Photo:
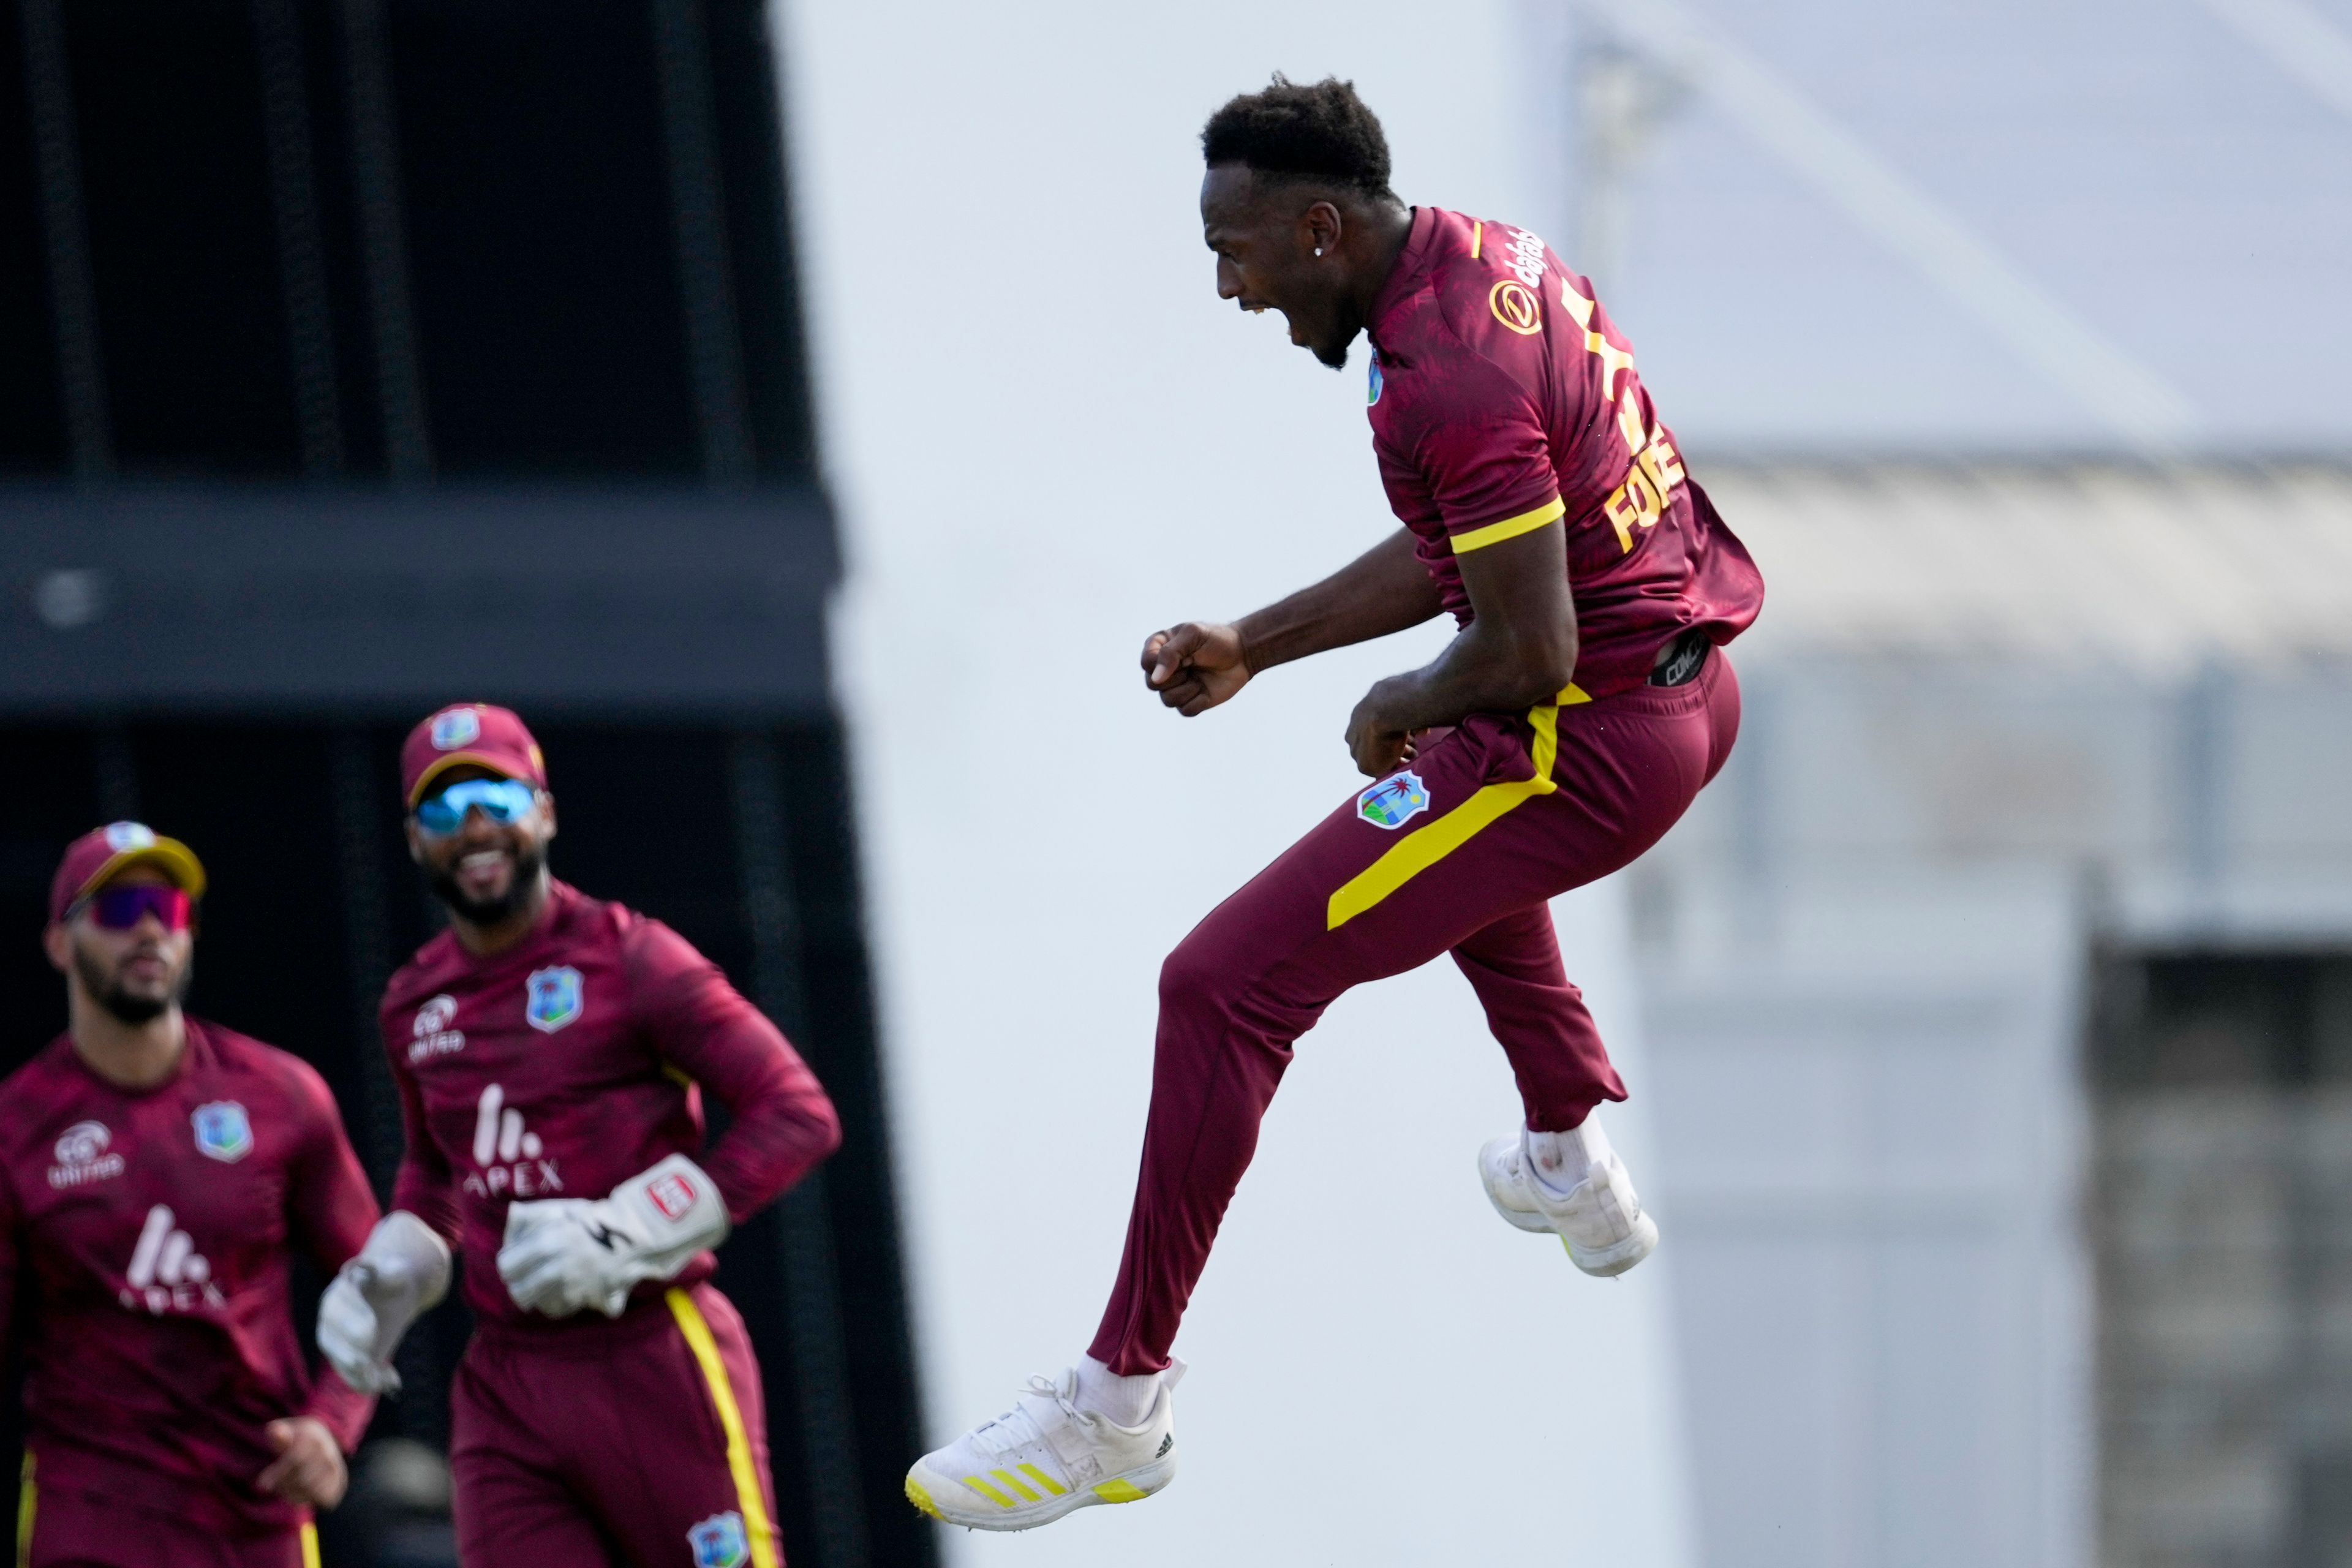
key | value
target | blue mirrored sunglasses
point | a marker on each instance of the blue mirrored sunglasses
(501, 800)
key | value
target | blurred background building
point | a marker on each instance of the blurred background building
(1996, 992)
(1989, 1022)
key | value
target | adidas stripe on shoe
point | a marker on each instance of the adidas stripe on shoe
(1045, 1458)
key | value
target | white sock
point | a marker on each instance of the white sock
(1126, 1400)
(1562, 1160)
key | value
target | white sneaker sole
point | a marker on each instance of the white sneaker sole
(950, 1502)
(1610, 1261)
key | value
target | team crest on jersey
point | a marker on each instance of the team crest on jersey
(552, 999)
(1373, 387)
(454, 727)
(719, 1542)
(223, 1131)
(1394, 801)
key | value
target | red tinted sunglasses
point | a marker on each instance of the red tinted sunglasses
(120, 909)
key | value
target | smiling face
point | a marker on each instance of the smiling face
(486, 870)
(135, 975)
(1266, 234)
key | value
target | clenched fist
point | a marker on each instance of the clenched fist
(1194, 666)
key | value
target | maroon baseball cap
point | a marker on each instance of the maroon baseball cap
(468, 734)
(102, 853)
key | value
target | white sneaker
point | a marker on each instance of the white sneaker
(1045, 1457)
(1600, 1222)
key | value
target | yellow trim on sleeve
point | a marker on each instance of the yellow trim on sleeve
(309, 1544)
(1477, 237)
(696, 1329)
(1417, 852)
(26, 1499)
(1510, 527)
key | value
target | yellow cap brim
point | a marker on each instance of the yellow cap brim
(459, 759)
(175, 859)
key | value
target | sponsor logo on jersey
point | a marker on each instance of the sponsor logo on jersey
(433, 1036)
(83, 1157)
(223, 1131)
(719, 1542)
(1394, 801)
(167, 1274)
(454, 727)
(1373, 386)
(1525, 257)
(1516, 306)
(510, 1159)
(552, 998)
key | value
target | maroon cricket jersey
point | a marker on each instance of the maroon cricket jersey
(1501, 398)
(144, 1259)
(573, 1060)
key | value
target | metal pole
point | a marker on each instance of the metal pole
(301, 247)
(698, 216)
(383, 244)
(819, 1355)
(73, 289)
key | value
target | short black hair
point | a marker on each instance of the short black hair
(1320, 132)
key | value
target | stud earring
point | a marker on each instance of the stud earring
(1319, 250)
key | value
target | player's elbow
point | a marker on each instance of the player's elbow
(1540, 666)
(823, 1127)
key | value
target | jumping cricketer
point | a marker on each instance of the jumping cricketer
(1581, 707)
(156, 1174)
(551, 1052)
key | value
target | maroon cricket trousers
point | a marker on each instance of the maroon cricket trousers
(630, 1443)
(58, 1528)
(1517, 810)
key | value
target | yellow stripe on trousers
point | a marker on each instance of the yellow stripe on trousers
(1417, 852)
(696, 1329)
(27, 1500)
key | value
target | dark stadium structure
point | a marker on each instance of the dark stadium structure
(361, 355)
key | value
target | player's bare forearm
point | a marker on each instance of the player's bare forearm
(1384, 590)
(1518, 651)
(1196, 665)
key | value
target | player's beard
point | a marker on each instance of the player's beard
(106, 990)
(1333, 353)
(528, 864)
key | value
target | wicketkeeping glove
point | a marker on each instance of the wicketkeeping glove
(401, 1273)
(565, 1254)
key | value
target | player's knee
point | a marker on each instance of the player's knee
(1191, 979)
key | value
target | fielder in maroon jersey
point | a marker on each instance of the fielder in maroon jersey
(156, 1171)
(551, 1052)
(1581, 707)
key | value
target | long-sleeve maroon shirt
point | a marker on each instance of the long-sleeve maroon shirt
(570, 1062)
(144, 1235)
